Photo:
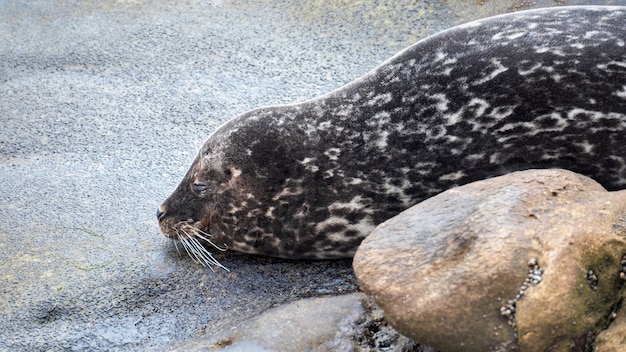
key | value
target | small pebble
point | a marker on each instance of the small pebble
(592, 280)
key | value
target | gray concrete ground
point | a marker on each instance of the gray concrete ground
(102, 107)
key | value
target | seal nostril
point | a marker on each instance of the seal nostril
(160, 213)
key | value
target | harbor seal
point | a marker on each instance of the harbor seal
(536, 89)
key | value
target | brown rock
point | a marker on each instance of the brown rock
(444, 270)
(613, 339)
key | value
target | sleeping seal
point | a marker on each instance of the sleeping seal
(536, 89)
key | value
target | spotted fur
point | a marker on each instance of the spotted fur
(536, 89)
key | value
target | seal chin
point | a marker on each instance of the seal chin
(192, 239)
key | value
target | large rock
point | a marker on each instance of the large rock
(527, 261)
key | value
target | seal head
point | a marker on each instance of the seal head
(262, 168)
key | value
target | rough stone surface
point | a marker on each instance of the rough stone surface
(444, 270)
(613, 339)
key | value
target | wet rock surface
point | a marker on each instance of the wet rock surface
(102, 107)
(340, 323)
(527, 261)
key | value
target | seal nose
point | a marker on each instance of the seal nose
(160, 212)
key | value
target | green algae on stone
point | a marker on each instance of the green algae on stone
(594, 306)
(591, 307)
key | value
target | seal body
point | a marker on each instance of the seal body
(535, 89)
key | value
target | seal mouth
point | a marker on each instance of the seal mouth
(188, 236)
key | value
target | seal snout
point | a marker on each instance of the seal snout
(160, 212)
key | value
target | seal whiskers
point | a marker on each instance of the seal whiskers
(188, 236)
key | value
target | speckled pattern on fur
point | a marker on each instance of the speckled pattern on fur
(536, 89)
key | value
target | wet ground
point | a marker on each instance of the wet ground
(102, 107)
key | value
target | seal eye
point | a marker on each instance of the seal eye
(229, 174)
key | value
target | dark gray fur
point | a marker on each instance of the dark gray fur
(536, 89)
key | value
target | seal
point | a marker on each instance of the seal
(536, 89)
